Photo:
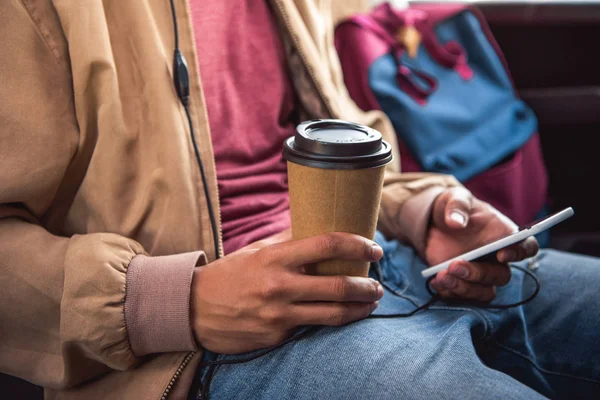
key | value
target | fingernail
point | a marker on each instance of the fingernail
(376, 251)
(375, 305)
(379, 291)
(461, 271)
(510, 255)
(449, 282)
(459, 217)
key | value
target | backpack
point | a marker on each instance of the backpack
(441, 78)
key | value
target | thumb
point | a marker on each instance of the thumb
(453, 208)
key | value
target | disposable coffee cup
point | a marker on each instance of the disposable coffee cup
(335, 177)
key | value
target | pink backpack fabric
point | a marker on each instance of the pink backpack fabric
(517, 185)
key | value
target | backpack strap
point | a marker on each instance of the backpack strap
(415, 83)
(367, 23)
(451, 54)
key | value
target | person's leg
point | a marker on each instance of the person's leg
(429, 355)
(551, 344)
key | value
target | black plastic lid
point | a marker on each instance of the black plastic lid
(337, 144)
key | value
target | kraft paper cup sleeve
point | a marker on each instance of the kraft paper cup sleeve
(329, 200)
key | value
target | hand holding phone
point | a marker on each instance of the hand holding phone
(490, 249)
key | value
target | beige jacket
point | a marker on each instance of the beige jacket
(97, 169)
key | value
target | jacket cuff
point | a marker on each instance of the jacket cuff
(415, 216)
(157, 303)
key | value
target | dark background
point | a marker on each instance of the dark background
(551, 52)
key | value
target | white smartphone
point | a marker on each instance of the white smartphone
(490, 249)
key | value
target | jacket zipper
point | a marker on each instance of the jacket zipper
(184, 364)
(286, 19)
(190, 355)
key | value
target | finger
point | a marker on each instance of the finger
(330, 246)
(330, 314)
(438, 285)
(440, 288)
(336, 288)
(467, 290)
(453, 208)
(520, 251)
(482, 273)
(445, 294)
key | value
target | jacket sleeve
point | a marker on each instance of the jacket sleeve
(61, 303)
(406, 205)
(62, 299)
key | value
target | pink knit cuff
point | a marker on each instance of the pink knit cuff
(157, 303)
(415, 216)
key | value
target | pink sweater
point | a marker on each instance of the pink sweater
(250, 101)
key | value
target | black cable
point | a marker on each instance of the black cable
(261, 353)
(433, 299)
(213, 365)
(500, 306)
(175, 26)
(182, 87)
(211, 214)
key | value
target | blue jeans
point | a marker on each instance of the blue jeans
(549, 347)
